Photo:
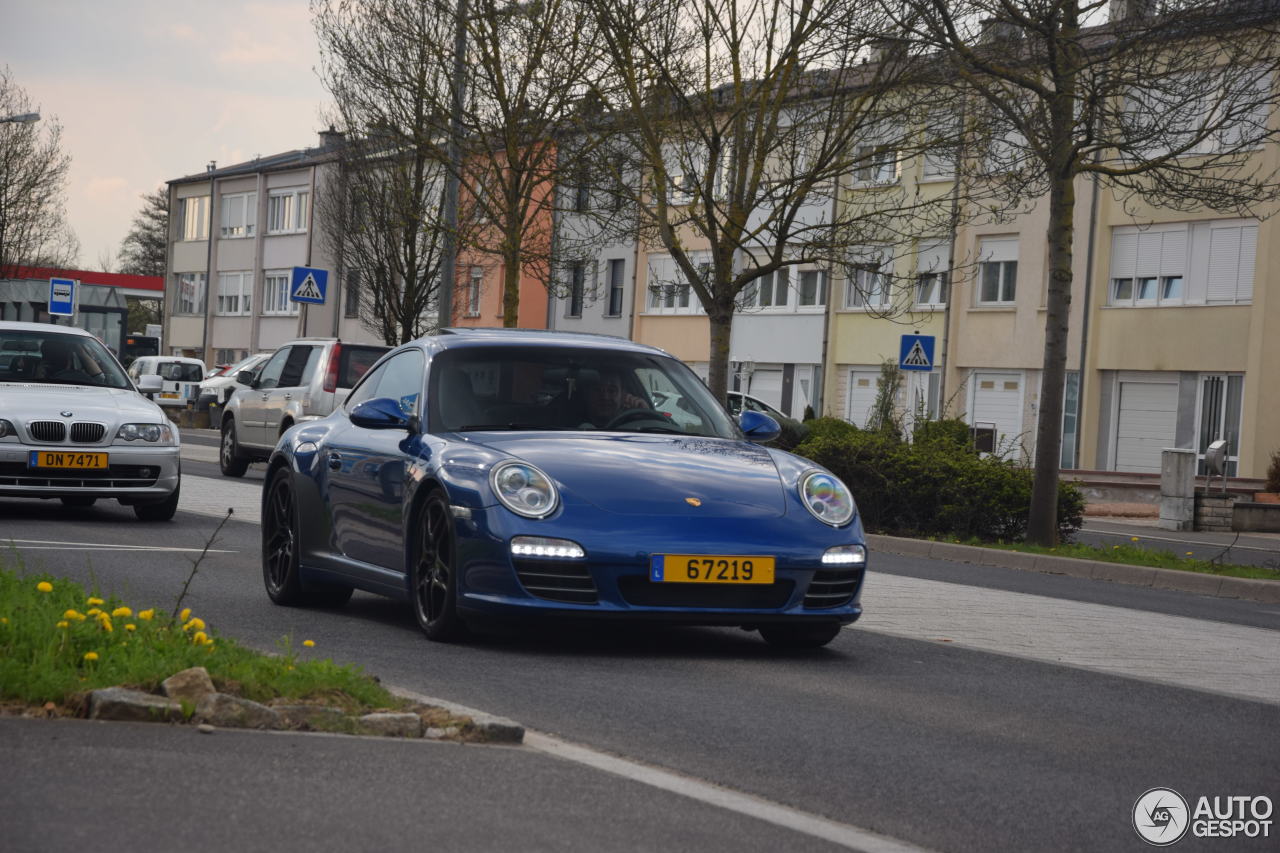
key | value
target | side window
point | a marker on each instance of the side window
(299, 358)
(366, 390)
(401, 380)
(270, 375)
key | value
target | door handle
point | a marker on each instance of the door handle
(335, 462)
(288, 396)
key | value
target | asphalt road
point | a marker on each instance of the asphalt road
(922, 734)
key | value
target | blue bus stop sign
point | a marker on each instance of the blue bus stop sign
(62, 296)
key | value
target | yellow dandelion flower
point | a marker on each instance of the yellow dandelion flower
(131, 627)
(196, 622)
(94, 602)
(209, 647)
(1133, 538)
(93, 611)
(1189, 553)
(147, 615)
(4, 620)
(90, 655)
(199, 638)
(44, 586)
(71, 614)
(1115, 547)
(309, 643)
(63, 624)
(185, 614)
(122, 612)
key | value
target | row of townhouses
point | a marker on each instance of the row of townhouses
(1175, 325)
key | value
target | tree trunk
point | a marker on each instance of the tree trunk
(1042, 521)
(718, 371)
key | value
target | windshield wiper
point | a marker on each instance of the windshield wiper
(509, 426)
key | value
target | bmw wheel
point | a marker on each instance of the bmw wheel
(434, 577)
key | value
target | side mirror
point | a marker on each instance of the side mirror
(246, 377)
(150, 383)
(758, 427)
(382, 413)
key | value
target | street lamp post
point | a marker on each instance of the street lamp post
(449, 259)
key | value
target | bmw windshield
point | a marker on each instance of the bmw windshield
(53, 358)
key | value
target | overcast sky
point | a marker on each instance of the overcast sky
(152, 90)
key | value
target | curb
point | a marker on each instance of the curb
(1249, 589)
(491, 728)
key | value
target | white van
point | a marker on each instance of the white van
(181, 377)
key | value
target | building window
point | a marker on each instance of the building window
(997, 271)
(877, 164)
(581, 192)
(868, 279)
(1070, 419)
(191, 293)
(275, 294)
(617, 269)
(669, 290)
(351, 306)
(239, 215)
(1196, 263)
(577, 282)
(194, 216)
(771, 290)
(813, 288)
(1219, 417)
(235, 293)
(473, 291)
(287, 211)
(931, 275)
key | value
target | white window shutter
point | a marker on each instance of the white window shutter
(1148, 253)
(1173, 252)
(1224, 264)
(1248, 254)
(1124, 253)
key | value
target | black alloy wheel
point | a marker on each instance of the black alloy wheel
(435, 580)
(282, 548)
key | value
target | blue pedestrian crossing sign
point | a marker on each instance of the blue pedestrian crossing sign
(62, 296)
(916, 352)
(309, 284)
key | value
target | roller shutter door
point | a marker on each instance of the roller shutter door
(1146, 425)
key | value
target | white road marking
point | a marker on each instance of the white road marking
(58, 545)
(843, 834)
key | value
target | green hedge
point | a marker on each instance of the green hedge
(937, 486)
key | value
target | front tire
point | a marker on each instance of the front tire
(230, 459)
(282, 548)
(434, 578)
(162, 510)
(793, 636)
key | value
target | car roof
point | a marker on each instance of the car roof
(15, 326)
(452, 338)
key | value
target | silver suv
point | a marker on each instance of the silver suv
(304, 380)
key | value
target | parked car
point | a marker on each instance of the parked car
(476, 474)
(73, 425)
(180, 377)
(301, 381)
(739, 401)
(223, 384)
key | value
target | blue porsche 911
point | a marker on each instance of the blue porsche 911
(490, 473)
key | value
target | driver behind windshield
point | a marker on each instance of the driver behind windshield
(606, 400)
(58, 362)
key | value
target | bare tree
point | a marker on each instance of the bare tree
(1168, 108)
(144, 250)
(765, 137)
(33, 181)
(380, 208)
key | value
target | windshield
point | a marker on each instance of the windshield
(567, 388)
(54, 358)
(180, 371)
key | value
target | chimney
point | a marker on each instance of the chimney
(331, 139)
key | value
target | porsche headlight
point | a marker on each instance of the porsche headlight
(6, 429)
(524, 489)
(827, 498)
(153, 433)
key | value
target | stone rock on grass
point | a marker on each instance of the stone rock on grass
(391, 724)
(190, 685)
(308, 716)
(232, 712)
(121, 703)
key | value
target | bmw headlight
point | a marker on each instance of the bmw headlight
(6, 429)
(827, 498)
(153, 433)
(524, 489)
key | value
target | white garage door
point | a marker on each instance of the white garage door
(767, 385)
(862, 395)
(1146, 425)
(997, 400)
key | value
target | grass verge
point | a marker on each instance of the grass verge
(59, 642)
(1135, 555)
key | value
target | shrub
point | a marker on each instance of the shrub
(949, 432)
(1273, 472)
(936, 487)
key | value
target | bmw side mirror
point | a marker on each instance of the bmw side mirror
(758, 427)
